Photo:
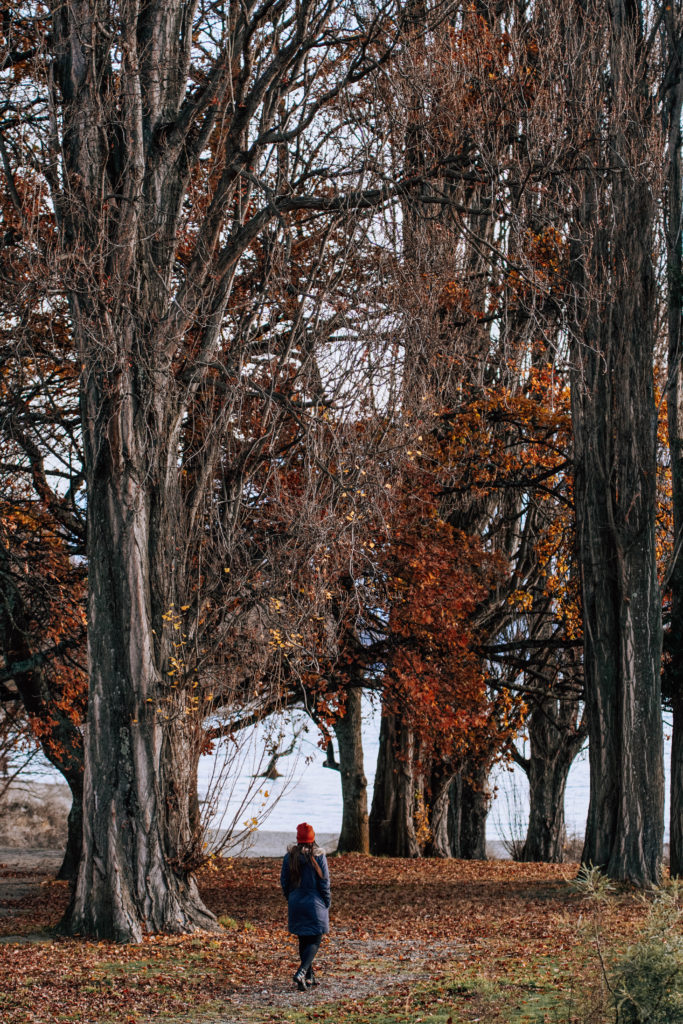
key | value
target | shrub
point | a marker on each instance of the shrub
(643, 985)
(647, 981)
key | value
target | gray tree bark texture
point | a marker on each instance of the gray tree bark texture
(139, 773)
(469, 801)
(440, 778)
(554, 741)
(615, 423)
(392, 827)
(355, 829)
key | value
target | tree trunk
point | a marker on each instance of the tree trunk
(546, 833)
(621, 603)
(475, 808)
(355, 830)
(392, 828)
(439, 845)
(554, 743)
(621, 599)
(673, 675)
(468, 809)
(140, 756)
(614, 419)
(676, 782)
(68, 871)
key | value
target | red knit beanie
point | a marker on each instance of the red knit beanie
(305, 834)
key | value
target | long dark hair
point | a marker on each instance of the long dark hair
(299, 854)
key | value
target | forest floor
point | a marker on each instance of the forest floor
(437, 942)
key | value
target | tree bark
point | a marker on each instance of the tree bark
(68, 871)
(621, 599)
(440, 781)
(672, 91)
(140, 757)
(466, 816)
(355, 831)
(615, 423)
(468, 810)
(392, 828)
(554, 741)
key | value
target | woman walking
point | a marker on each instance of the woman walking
(305, 881)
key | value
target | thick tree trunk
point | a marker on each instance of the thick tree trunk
(355, 831)
(547, 832)
(140, 758)
(622, 610)
(615, 449)
(614, 419)
(468, 810)
(554, 743)
(392, 828)
(673, 676)
(475, 801)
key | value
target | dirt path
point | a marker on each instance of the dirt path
(353, 969)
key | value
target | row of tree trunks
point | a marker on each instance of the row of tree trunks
(456, 802)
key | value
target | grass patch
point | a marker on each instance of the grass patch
(451, 999)
(229, 923)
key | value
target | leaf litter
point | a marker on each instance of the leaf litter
(402, 932)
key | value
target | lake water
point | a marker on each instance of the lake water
(310, 792)
(307, 791)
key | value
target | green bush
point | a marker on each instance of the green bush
(646, 983)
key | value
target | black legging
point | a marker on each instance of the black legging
(308, 947)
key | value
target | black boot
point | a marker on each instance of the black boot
(311, 978)
(300, 980)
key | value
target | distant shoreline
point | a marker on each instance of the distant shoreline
(268, 844)
(33, 817)
(33, 823)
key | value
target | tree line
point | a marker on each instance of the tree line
(340, 350)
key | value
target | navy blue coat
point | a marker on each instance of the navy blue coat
(308, 903)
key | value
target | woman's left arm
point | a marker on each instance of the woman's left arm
(284, 875)
(324, 882)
